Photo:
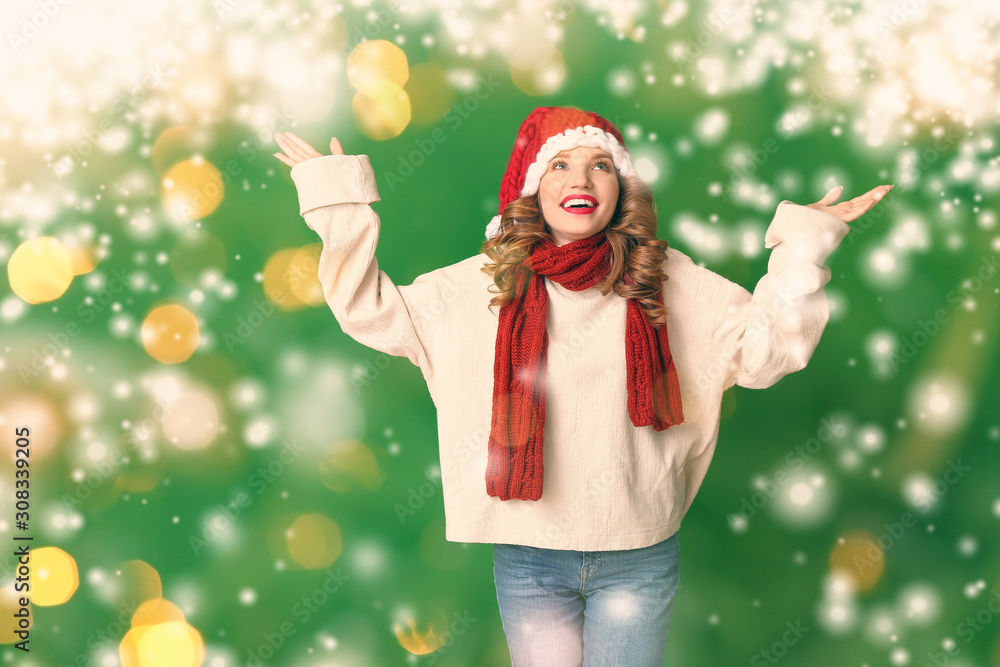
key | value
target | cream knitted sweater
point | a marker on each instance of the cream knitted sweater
(607, 485)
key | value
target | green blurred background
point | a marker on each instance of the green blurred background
(207, 444)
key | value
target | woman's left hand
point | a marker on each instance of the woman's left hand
(851, 209)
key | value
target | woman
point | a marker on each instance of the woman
(572, 381)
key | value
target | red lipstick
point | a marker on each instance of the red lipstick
(580, 210)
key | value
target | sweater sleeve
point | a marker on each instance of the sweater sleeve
(334, 195)
(773, 332)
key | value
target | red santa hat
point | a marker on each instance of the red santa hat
(545, 132)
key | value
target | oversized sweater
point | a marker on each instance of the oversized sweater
(608, 485)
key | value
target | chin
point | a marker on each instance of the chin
(569, 225)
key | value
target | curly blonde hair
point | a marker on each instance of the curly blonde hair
(635, 249)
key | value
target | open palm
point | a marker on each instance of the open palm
(297, 150)
(852, 209)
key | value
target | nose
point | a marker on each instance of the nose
(579, 176)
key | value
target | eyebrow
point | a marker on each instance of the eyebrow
(600, 155)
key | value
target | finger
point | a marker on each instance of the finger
(304, 148)
(286, 143)
(874, 194)
(848, 214)
(832, 195)
(862, 200)
(284, 140)
(293, 148)
(882, 191)
(879, 193)
(335, 147)
(284, 159)
(865, 203)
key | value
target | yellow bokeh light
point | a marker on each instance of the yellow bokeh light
(280, 277)
(84, 259)
(374, 61)
(139, 481)
(430, 94)
(156, 611)
(54, 577)
(303, 276)
(383, 112)
(192, 189)
(173, 145)
(314, 541)
(161, 637)
(170, 334)
(858, 557)
(10, 604)
(348, 464)
(422, 642)
(128, 650)
(543, 79)
(171, 644)
(40, 270)
(135, 582)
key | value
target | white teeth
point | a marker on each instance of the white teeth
(587, 202)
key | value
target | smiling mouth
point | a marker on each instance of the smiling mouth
(579, 206)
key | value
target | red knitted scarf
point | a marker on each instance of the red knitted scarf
(514, 469)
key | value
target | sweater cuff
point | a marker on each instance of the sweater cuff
(334, 179)
(808, 233)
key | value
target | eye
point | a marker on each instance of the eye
(605, 165)
(557, 163)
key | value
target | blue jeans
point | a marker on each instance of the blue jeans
(565, 608)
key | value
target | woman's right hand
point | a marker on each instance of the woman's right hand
(299, 151)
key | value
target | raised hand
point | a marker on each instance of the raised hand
(298, 150)
(852, 209)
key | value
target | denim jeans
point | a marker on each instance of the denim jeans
(564, 608)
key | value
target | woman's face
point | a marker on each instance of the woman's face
(580, 173)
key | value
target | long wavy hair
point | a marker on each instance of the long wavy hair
(635, 249)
